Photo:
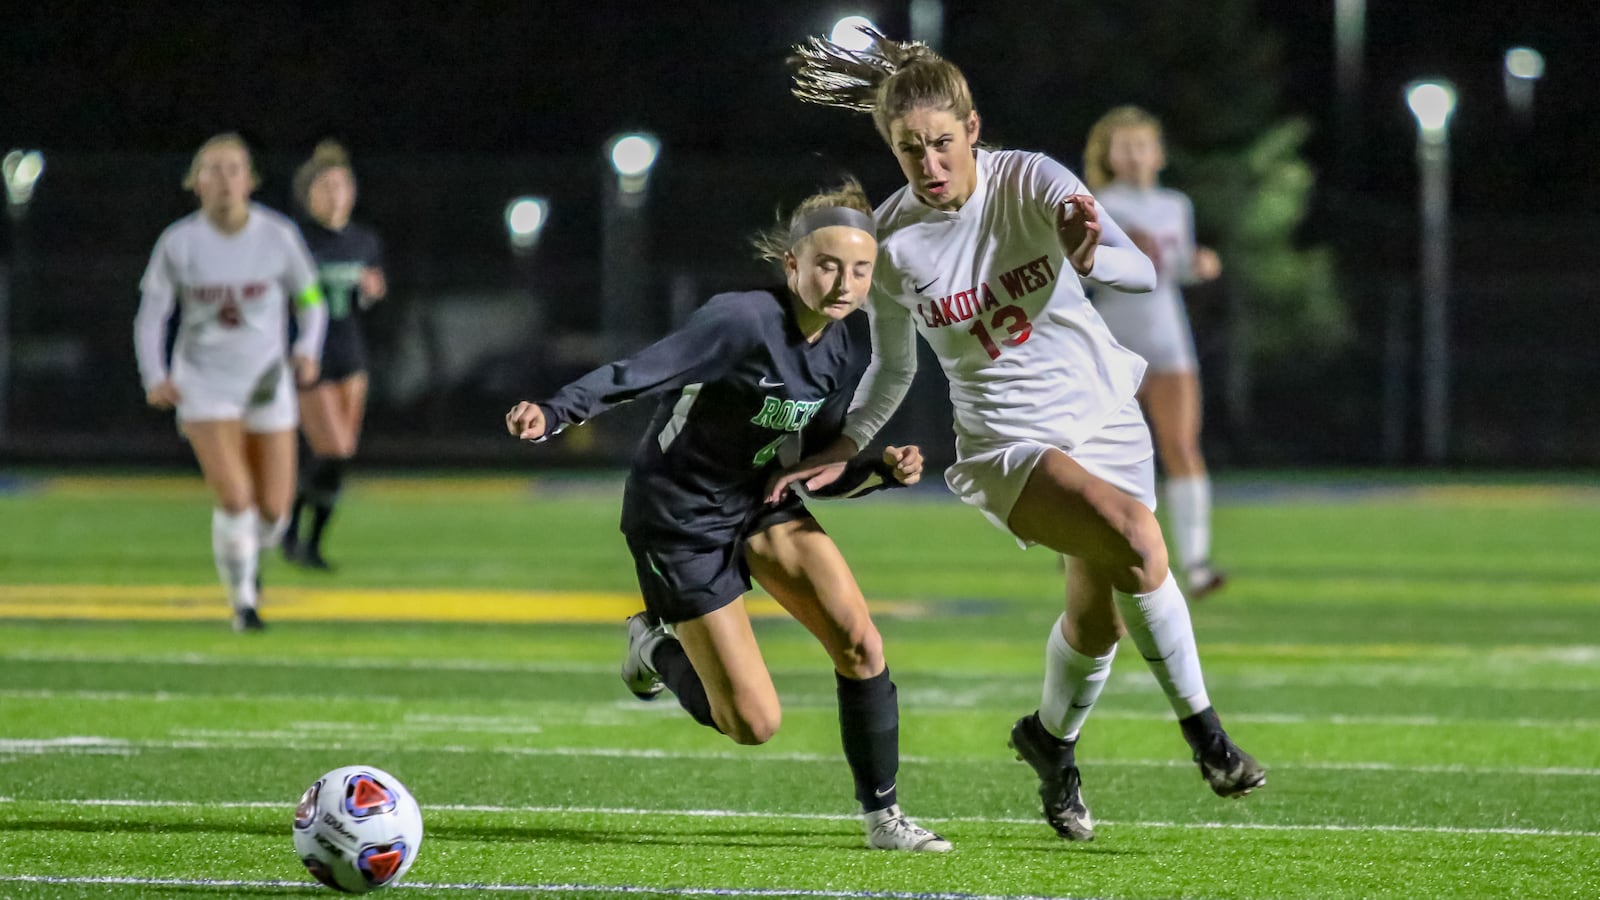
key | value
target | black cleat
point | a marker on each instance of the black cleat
(310, 557)
(245, 618)
(1059, 784)
(1229, 771)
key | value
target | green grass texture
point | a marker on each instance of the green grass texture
(1416, 660)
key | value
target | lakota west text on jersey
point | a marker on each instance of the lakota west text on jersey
(963, 305)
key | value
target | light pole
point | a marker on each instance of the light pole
(1433, 102)
(525, 221)
(1524, 68)
(625, 239)
(847, 32)
(1349, 39)
(21, 170)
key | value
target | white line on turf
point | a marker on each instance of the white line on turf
(202, 739)
(633, 812)
(530, 888)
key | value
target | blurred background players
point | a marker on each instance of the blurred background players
(747, 384)
(235, 266)
(350, 267)
(1122, 162)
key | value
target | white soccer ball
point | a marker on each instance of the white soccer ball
(357, 829)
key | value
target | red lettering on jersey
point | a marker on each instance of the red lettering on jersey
(254, 289)
(989, 301)
(1012, 282)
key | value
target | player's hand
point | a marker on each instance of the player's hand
(907, 463)
(1078, 229)
(813, 477)
(306, 371)
(526, 421)
(1207, 264)
(373, 286)
(162, 396)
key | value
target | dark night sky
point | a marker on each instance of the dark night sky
(556, 77)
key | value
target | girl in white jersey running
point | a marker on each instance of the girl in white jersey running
(234, 266)
(974, 255)
(1123, 158)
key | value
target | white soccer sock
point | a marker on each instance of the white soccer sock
(234, 543)
(1189, 499)
(1159, 624)
(270, 533)
(1072, 683)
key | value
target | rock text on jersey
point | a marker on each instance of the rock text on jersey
(785, 415)
(963, 305)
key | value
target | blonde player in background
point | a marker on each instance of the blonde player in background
(349, 260)
(1121, 163)
(974, 254)
(234, 265)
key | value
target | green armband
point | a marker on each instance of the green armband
(311, 296)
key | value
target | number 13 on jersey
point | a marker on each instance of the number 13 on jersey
(1011, 320)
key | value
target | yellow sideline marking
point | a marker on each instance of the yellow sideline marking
(300, 604)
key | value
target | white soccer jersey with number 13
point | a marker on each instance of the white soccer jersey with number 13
(234, 290)
(988, 287)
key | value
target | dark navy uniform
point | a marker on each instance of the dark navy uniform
(341, 256)
(744, 394)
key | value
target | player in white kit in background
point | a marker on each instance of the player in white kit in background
(1121, 163)
(234, 265)
(981, 254)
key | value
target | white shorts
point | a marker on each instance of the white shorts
(992, 476)
(267, 404)
(1155, 326)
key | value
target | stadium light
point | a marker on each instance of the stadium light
(1524, 68)
(632, 156)
(525, 221)
(22, 169)
(1433, 102)
(847, 32)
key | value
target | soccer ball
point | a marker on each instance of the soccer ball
(357, 829)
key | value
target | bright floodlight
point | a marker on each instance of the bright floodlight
(1432, 102)
(632, 155)
(847, 33)
(525, 219)
(1525, 62)
(22, 171)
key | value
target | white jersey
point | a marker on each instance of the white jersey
(1154, 325)
(234, 289)
(990, 290)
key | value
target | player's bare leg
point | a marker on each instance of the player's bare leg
(219, 447)
(1172, 403)
(801, 567)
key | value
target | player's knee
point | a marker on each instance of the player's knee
(751, 726)
(1149, 547)
(860, 655)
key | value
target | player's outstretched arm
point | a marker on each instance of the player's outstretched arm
(897, 467)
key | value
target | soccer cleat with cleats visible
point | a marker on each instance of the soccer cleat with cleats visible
(638, 673)
(1060, 788)
(1202, 581)
(890, 829)
(1229, 771)
(245, 618)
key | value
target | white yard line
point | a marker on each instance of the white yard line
(636, 812)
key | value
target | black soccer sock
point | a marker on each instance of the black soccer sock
(869, 723)
(327, 480)
(683, 681)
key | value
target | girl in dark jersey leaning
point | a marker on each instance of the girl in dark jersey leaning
(753, 381)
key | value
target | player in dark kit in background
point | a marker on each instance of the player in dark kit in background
(350, 267)
(752, 381)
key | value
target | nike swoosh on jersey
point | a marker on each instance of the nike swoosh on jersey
(923, 287)
(763, 382)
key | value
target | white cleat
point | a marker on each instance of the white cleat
(889, 829)
(641, 677)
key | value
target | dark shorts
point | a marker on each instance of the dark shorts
(683, 583)
(344, 354)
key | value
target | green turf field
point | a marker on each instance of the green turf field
(1418, 665)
